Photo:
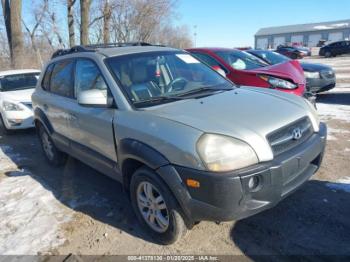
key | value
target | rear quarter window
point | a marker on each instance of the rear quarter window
(45, 84)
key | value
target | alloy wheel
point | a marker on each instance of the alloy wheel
(47, 145)
(152, 207)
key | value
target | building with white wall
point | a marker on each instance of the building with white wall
(304, 34)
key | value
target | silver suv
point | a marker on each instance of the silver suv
(186, 143)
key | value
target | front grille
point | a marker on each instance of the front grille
(286, 138)
(327, 74)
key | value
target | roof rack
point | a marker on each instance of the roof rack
(92, 48)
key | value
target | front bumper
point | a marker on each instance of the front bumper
(18, 120)
(226, 196)
(316, 85)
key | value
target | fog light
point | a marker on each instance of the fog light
(15, 122)
(253, 183)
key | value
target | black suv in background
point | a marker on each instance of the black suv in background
(335, 48)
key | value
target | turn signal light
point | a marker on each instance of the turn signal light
(192, 183)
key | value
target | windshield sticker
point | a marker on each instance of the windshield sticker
(188, 59)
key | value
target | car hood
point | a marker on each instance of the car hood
(24, 96)
(310, 67)
(245, 113)
(288, 70)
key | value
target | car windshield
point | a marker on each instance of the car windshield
(241, 60)
(271, 57)
(160, 77)
(18, 82)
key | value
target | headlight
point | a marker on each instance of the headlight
(9, 106)
(311, 74)
(278, 82)
(221, 153)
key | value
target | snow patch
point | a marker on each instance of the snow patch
(343, 76)
(30, 216)
(328, 112)
(331, 138)
(331, 26)
(342, 184)
(332, 130)
(340, 90)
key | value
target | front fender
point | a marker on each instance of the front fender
(133, 149)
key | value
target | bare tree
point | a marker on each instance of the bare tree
(140, 20)
(39, 15)
(12, 14)
(178, 37)
(70, 18)
(150, 14)
(7, 20)
(84, 21)
(107, 12)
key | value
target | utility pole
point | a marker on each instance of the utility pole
(195, 35)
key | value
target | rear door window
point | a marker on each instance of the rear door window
(61, 82)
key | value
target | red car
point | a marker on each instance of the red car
(243, 68)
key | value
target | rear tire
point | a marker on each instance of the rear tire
(53, 155)
(157, 211)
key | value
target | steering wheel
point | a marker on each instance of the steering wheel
(176, 84)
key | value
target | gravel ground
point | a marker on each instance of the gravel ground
(77, 210)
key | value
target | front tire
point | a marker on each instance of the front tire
(156, 208)
(6, 130)
(53, 155)
(328, 54)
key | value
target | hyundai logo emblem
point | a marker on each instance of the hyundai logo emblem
(297, 134)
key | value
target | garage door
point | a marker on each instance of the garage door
(313, 39)
(297, 39)
(262, 43)
(279, 40)
(335, 36)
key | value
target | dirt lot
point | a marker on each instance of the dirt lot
(77, 210)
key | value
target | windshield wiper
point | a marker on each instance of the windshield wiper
(203, 89)
(158, 99)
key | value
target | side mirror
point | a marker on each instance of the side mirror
(94, 98)
(219, 70)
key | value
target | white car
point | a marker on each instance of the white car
(16, 88)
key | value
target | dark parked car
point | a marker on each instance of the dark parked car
(319, 78)
(293, 52)
(335, 48)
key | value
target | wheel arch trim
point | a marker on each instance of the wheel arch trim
(40, 116)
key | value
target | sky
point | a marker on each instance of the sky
(233, 23)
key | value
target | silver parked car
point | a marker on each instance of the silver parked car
(184, 141)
